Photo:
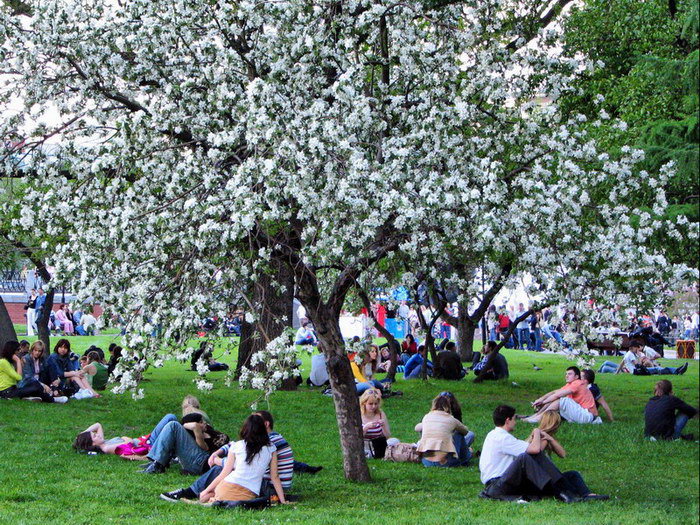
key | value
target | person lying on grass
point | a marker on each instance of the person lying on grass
(512, 469)
(286, 467)
(445, 441)
(574, 401)
(92, 439)
(375, 425)
(247, 462)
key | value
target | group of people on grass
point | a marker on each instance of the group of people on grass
(27, 372)
(65, 320)
(258, 466)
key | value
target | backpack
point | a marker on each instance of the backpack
(402, 453)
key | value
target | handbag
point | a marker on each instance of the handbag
(402, 453)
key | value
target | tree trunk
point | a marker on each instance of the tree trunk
(274, 313)
(42, 322)
(465, 333)
(7, 329)
(347, 408)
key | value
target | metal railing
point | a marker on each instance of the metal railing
(11, 281)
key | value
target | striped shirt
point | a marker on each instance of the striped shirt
(285, 459)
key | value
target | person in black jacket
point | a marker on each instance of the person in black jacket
(665, 415)
(448, 364)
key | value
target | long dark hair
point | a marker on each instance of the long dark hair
(60, 343)
(9, 350)
(254, 433)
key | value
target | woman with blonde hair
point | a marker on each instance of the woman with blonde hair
(445, 441)
(375, 425)
(191, 405)
(549, 424)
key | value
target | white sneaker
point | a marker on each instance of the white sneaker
(60, 399)
(597, 421)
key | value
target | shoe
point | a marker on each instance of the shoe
(688, 437)
(179, 494)
(153, 468)
(596, 497)
(567, 497)
(315, 470)
(60, 399)
(681, 369)
(597, 421)
(32, 398)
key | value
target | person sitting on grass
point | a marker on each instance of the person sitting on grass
(365, 362)
(191, 405)
(11, 375)
(95, 370)
(445, 441)
(492, 366)
(191, 441)
(573, 401)
(414, 365)
(65, 373)
(286, 466)
(448, 364)
(512, 469)
(34, 367)
(375, 425)
(549, 424)
(306, 335)
(588, 377)
(248, 461)
(409, 348)
(204, 354)
(665, 415)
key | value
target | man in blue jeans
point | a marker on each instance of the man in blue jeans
(665, 415)
(172, 439)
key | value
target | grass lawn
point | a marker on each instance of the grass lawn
(42, 480)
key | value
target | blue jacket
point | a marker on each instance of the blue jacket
(57, 366)
(28, 367)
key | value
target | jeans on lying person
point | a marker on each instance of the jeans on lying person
(662, 370)
(173, 441)
(608, 368)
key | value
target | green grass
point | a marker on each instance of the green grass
(43, 481)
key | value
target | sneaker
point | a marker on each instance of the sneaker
(32, 398)
(179, 494)
(682, 369)
(60, 399)
(154, 468)
(597, 421)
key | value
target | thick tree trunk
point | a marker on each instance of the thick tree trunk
(465, 334)
(274, 314)
(42, 322)
(7, 329)
(347, 408)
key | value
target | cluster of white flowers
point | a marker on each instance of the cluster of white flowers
(200, 134)
(270, 367)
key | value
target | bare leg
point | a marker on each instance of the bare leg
(535, 418)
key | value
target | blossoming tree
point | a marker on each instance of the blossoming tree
(204, 144)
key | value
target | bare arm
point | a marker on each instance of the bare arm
(215, 458)
(208, 493)
(537, 444)
(198, 430)
(555, 445)
(275, 478)
(96, 429)
(605, 406)
(553, 396)
(385, 426)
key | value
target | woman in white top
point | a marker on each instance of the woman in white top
(247, 462)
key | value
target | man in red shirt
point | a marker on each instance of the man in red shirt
(573, 401)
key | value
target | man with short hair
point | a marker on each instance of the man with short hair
(448, 364)
(573, 401)
(665, 415)
(494, 367)
(514, 469)
(306, 335)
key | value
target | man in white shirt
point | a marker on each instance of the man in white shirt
(88, 324)
(306, 335)
(513, 469)
(319, 371)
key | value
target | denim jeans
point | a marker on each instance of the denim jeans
(523, 338)
(662, 370)
(362, 387)
(553, 334)
(493, 335)
(205, 479)
(174, 441)
(681, 420)
(538, 339)
(463, 455)
(607, 368)
(167, 418)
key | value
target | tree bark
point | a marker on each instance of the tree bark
(42, 321)
(347, 409)
(465, 333)
(7, 329)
